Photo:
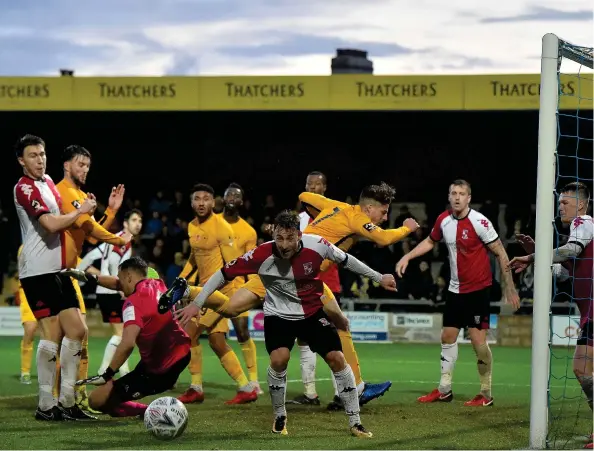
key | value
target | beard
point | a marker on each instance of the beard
(231, 209)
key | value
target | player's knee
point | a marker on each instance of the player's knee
(241, 329)
(336, 361)
(279, 359)
(449, 335)
(581, 367)
(218, 344)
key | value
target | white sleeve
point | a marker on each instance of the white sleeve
(113, 263)
(88, 259)
(581, 232)
(485, 230)
(303, 220)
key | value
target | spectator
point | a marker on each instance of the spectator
(174, 268)
(154, 226)
(159, 203)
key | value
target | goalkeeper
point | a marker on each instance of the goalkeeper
(163, 345)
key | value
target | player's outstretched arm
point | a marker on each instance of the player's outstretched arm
(216, 281)
(319, 202)
(361, 225)
(55, 223)
(355, 265)
(510, 292)
(421, 249)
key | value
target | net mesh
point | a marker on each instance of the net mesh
(570, 417)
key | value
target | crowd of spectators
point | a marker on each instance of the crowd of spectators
(164, 243)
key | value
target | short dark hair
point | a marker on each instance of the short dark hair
(287, 219)
(25, 141)
(202, 187)
(129, 213)
(580, 188)
(318, 174)
(135, 264)
(237, 186)
(462, 182)
(382, 193)
(73, 151)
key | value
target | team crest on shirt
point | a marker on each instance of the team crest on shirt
(477, 319)
(464, 234)
(27, 190)
(307, 268)
(76, 204)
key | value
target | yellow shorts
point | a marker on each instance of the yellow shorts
(256, 286)
(213, 321)
(26, 313)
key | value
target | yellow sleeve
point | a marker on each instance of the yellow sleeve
(107, 219)
(252, 241)
(71, 202)
(229, 249)
(361, 225)
(320, 202)
(189, 267)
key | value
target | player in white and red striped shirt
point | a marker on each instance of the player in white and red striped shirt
(574, 259)
(314, 183)
(289, 268)
(467, 234)
(50, 293)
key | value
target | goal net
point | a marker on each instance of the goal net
(560, 415)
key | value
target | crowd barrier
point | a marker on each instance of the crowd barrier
(373, 327)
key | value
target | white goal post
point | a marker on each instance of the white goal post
(553, 50)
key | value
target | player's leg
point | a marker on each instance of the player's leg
(75, 330)
(246, 393)
(307, 362)
(367, 391)
(477, 306)
(194, 393)
(116, 397)
(81, 397)
(29, 327)
(111, 313)
(453, 320)
(582, 360)
(45, 309)
(279, 336)
(323, 338)
(248, 348)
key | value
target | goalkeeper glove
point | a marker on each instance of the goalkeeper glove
(100, 379)
(178, 291)
(77, 274)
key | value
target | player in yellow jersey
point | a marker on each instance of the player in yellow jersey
(342, 224)
(29, 323)
(245, 238)
(211, 240)
(77, 163)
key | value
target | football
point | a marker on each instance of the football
(166, 418)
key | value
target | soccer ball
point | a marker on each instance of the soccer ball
(166, 418)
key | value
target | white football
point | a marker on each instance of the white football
(166, 418)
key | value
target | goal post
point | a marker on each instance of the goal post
(554, 50)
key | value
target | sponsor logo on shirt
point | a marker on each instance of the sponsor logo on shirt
(27, 190)
(76, 204)
(370, 227)
(36, 205)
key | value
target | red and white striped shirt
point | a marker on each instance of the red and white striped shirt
(43, 252)
(581, 268)
(466, 239)
(293, 286)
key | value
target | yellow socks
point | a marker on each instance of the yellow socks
(231, 364)
(348, 349)
(196, 366)
(26, 357)
(249, 355)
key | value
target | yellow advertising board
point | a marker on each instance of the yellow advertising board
(264, 93)
(136, 93)
(35, 94)
(289, 93)
(356, 92)
(522, 92)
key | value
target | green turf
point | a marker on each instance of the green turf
(396, 420)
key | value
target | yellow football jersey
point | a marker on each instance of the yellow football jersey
(245, 238)
(212, 247)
